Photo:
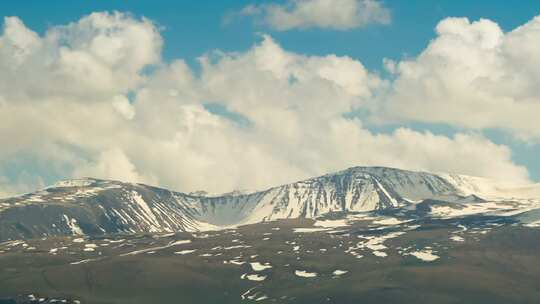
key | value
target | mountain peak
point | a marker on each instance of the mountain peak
(75, 182)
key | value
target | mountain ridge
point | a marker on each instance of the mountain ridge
(92, 206)
(238, 192)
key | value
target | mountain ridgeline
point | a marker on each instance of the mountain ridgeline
(96, 207)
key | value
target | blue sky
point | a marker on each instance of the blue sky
(190, 29)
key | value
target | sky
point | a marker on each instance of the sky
(222, 95)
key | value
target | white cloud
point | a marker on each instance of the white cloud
(472, 75)
(331, 14)
(22, 183)
(113, 164)
(295, 105)
(123, 106)
(100, 55)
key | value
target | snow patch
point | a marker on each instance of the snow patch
(84, 182)
(457, 238)
(338, 272)
(534, 224)
(187, 251)
(253, 277)
(147, 211)
(424, 255)
(390, 221)
(331, 223)
(256, 266)
(305, 274)
(180, 242)
(309, 230)
(72, 224)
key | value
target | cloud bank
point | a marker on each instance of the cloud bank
(81, 100)
(472, 75)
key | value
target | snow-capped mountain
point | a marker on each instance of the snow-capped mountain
(92, 206)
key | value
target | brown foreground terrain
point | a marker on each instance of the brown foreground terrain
(460, 261)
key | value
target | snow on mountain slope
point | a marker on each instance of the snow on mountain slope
(410, 185)
(354, 190)
(92, 206)
(530, 218)
(82, 182)
(97, 207)
(492, 189)
(318, 196)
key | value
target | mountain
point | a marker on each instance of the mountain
(94, 207)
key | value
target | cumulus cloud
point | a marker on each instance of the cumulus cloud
(123, 106)
(113, 164)
(164, 134)
(97, 56)
(472, 75)
(330, 14)
(311, 108)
